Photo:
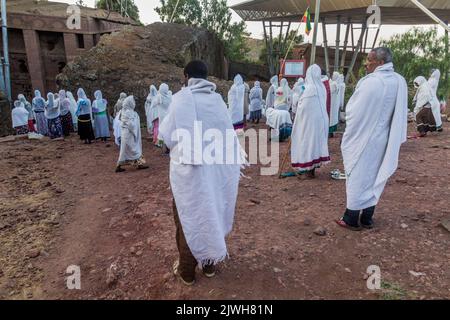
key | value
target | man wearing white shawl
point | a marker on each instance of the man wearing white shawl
(19, 117)
(161, 105)
(130, 140)
(236, 97)
(335, 103)
(435, 104)
(309, 148)
(423, 112)
(150, 113)
(99, 110)
(38, 106)
(204, 191)
(376, 118)
(255, 96)
(270, 97)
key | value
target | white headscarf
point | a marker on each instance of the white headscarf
(424, 94)
(38, 102)
(84, 104)
(99, 102)
(153, 93)
(285, 85)
(52, 107)
(255, 97)
(64, 103)
(27, 105)
(236, 97)
(314, 85)
(19, 114)
(434, 80)
(72, 106)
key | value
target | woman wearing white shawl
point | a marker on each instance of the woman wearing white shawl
(342, 87)
(118, 105)
(236, 97)
(99, 110)
(287, 92)
(335, 103)
(309, 148)
(255, 97)
(297, 92)
(19, 117)
(84, 116)
(161, 105)
(281, 100)
(38, 106)
(73, 109)
(27, 105)
(435, 104)
(52, 113)
(130, 141)
(66, 116)
(423, 101)
(150, 113)
(371, 142)
(204, 189)
(270, 97)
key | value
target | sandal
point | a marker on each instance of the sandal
(343, 224)
(176, 264)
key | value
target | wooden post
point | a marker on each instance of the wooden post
(316, 28)
(355, 54)
(347, 32)
(325, 46)
(338, 37)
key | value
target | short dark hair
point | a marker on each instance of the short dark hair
(196, 69)
(383, 54)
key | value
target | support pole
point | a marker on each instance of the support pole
(338, 37)
(355, 54)
(316, 28)
(272, 64)
(347, 33)
(325, 46)
(431, 15)
(353, 39)
(365, 41)
(6, 51)
(376, 37)
(447, 59)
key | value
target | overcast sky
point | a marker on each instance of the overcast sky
(148, 15)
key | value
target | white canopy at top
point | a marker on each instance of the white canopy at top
(399, 12)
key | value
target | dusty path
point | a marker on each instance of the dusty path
(62, 204)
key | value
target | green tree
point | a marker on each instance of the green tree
(213, 15)
(280, 47)
(417, 52)
(128, 6)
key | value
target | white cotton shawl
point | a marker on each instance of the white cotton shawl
(335, 99)
(275, 119)
(150, 112)
(424, 95)
(52, 107)
(270, 98)
(309, 146)
(236, 97)
(130, 129)
(99, 103)
(360, 127)
(205, 194)
(73, 106)
(297, 92)
(435, 104)
(19, 114)
(255, 97)
(434, 80)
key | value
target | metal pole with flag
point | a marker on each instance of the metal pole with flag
(316, 27)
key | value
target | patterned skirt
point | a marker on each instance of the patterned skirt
(425, 121)
(155, 131)
(22, 129)
(255, 115)
(41, 123)
(31, 125)
(85, 130)
(55, 128)
(67, 124)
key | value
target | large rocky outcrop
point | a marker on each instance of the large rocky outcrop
(5, 116)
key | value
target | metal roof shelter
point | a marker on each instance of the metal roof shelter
(277, 16)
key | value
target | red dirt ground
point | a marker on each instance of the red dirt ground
(62, 204)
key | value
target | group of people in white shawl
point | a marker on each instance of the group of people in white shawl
(52, 117)
(204, 191)
(427, 109)
(279, 100)
(92, 117)
(156, 109)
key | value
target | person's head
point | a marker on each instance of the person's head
(257, 84)
(378, 57)
(50, 99)
(163, 88)
(313, 75)
(129, 103)
(18, 104)
(62, 94)
(122, 95)
(81, 94)
(238, 79)
(37, 93)
(274, 81)
(98, 95)
(195, 69)
(419, 81)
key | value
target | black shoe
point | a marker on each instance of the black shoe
(366, 217)
(119, 169)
